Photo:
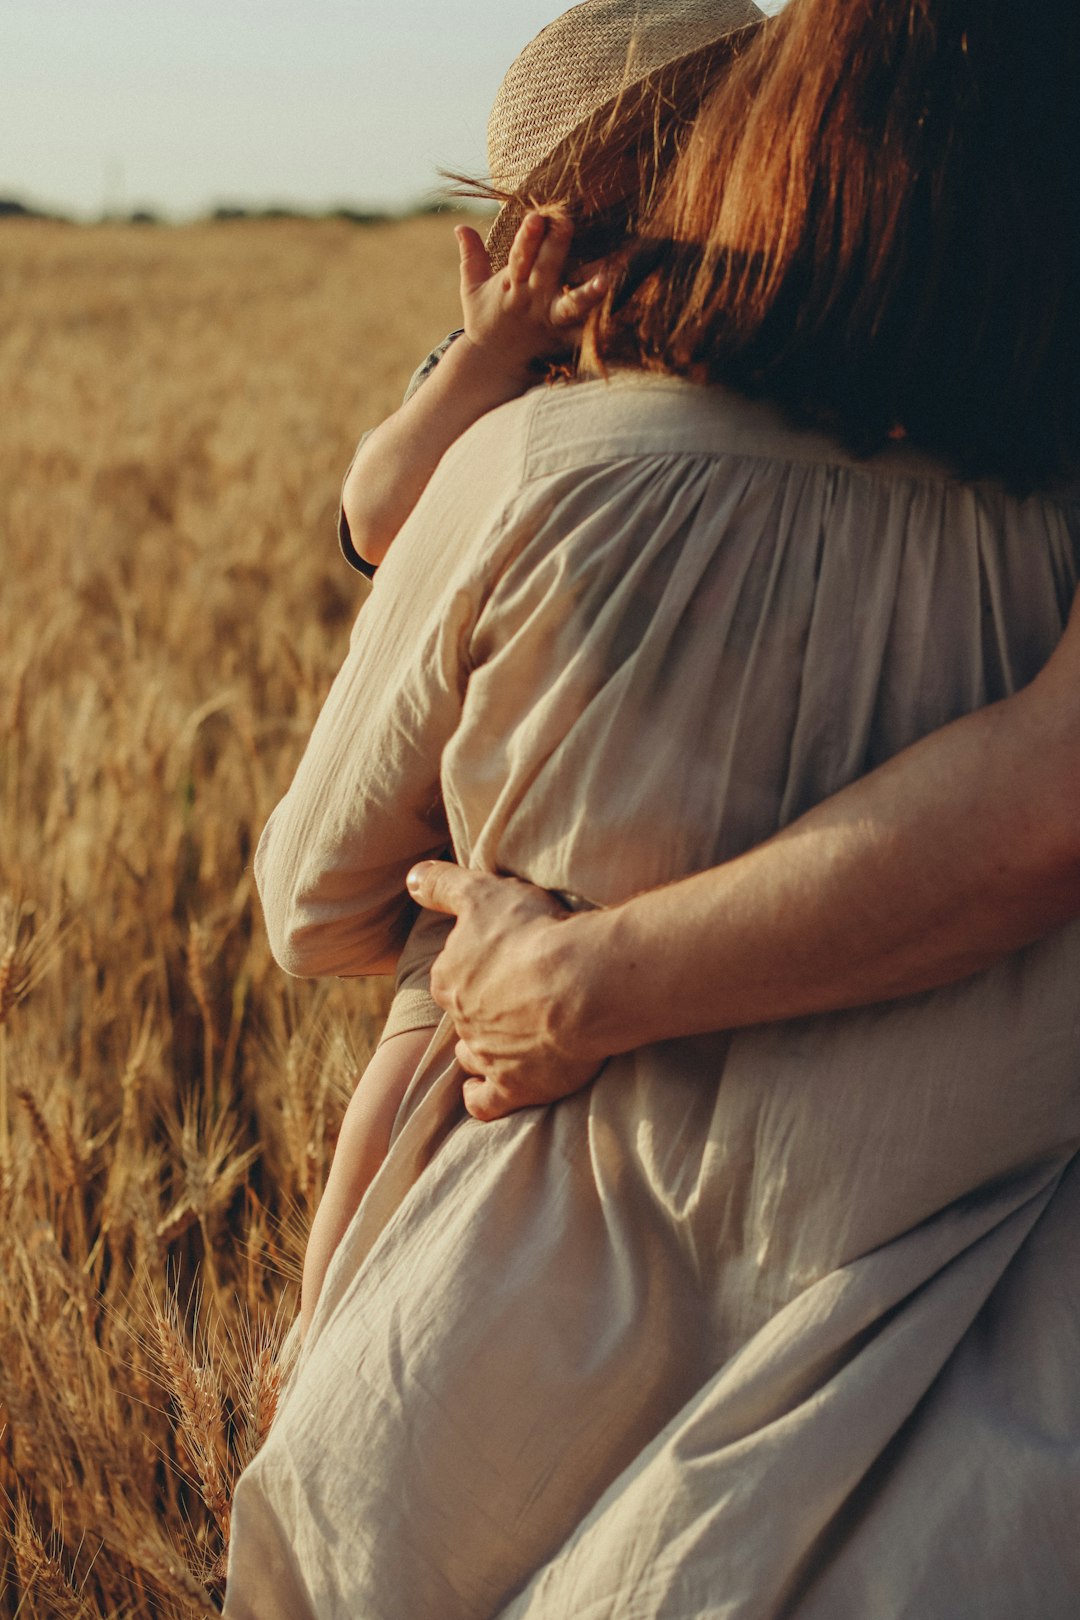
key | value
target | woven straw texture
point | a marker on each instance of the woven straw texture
(579, 64)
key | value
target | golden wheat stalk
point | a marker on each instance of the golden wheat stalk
(198, 1396)
(26, 957)
(197, 958)
(42, 1576)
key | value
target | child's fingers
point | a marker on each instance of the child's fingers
(475, 266)
(525, 246)
(547, 271)
(570, 306)
(585, 272)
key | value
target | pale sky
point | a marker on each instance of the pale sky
(179, 105)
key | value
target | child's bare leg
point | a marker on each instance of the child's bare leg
(361, 1149)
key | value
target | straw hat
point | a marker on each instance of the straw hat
(578, 65)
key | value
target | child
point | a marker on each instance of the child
(510, 320)
(583, 127)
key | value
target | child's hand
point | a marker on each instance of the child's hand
(526, 311)
(511, 320)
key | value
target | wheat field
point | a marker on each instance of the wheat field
(181, 404)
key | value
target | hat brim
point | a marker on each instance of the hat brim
(504, 227)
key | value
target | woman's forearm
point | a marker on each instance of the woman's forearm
(963, 848)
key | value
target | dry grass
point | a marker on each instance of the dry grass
(179, 408)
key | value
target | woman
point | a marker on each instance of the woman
(758, 1324)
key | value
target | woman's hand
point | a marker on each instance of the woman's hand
(526, 311)
(511, 978)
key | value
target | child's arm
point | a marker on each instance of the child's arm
(361, 1148)
(511, 319)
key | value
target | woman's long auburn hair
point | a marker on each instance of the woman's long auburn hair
(875, 223)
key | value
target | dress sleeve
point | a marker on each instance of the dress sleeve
(366, 800)
(419, 376)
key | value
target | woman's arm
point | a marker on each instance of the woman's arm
(366, 800)
(965, 847)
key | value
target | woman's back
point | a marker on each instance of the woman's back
(703, 622)
(632, 628)
(709, 623)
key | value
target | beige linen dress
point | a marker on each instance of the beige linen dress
(779, 1323)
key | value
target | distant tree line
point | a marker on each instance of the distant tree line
(13, 208)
